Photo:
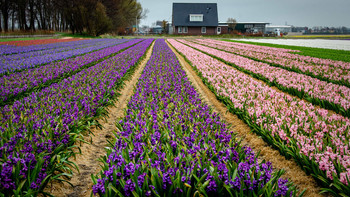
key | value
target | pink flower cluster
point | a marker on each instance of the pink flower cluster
(320, 135)
(325, 68)
(315, 88)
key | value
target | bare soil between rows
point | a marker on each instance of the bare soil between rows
(87, 161)
(292, 170)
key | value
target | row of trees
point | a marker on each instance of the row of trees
(93, 16)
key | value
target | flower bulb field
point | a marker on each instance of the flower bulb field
(61, 134)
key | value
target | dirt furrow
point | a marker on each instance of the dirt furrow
(293, 171)
(87, 161)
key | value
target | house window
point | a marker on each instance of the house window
(219, 30)
(196, 17)
(185, 29)
(181, 29)
(204, 30)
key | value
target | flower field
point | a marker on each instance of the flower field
(39, 131)
(19, 82)
(37, 42)
(170, 140)
(19, 61)
(172, 144)
(323, 69)
(317, 139)
(328, 95)
(6, 49)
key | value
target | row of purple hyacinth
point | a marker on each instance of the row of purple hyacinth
(10, 49)
(172, 144)
(74, 45)
(18, 82)
(10, 66)
(37, 131)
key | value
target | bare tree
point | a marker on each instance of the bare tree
(0, 22)
(5, 9)
(32, 15)
(164, 27)
(102, 23)
(94, 16)
(231, 24)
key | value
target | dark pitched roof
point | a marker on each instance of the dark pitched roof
(181, 12)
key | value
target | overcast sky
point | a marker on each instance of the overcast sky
(309, 13)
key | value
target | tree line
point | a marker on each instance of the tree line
(93, 16)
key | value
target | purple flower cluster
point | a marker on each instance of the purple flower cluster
(84, 43)
(283, 188)
(177, 144)
(37, 130)
(24, 61)
(129, 187)
(10, 49)
(16, 83)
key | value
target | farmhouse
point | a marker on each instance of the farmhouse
(202, 19)
(195, 19)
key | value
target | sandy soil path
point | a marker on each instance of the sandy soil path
(88, 161)
(293, 171)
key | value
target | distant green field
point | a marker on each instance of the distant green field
(333, 54)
